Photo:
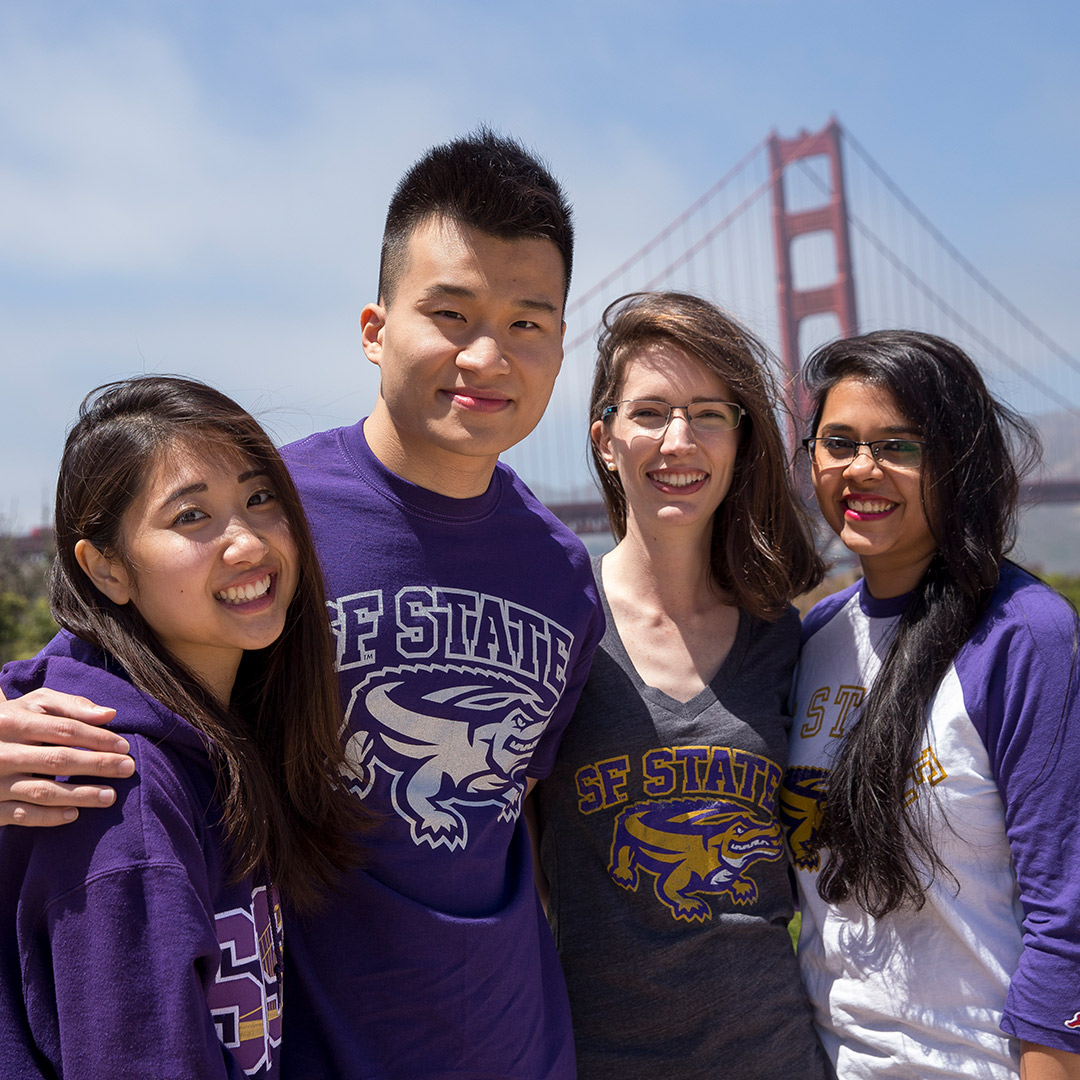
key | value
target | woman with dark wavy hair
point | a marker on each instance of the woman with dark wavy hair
(669, 890)
(931, 797)
(146, 939)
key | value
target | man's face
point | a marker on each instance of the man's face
(468, 350)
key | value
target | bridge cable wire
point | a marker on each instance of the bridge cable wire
(946, 309)
(982, 281)
(580, 301)
(685, 257)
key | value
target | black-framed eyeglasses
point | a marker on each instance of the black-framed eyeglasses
(829, 451)
(652, 417)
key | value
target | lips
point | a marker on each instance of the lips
(478, 400)
(678, 479)
(868, 507)
(244, 594)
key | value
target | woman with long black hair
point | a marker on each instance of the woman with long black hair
(930, 799)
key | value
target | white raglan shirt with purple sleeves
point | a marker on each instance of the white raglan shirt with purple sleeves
(994, 956)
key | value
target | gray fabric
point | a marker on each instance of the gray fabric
(685, 968)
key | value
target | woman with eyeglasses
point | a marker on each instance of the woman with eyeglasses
(931, 796)
(660, 837)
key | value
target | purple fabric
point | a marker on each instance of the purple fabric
(1021, 683)
(465, 629)
(124, 951)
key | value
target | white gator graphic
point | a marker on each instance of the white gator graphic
(450, 736)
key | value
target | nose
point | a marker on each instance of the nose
(483, 353)
(862, 462)
(678, 435)
(243, 543)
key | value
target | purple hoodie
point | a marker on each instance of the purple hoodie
(124, 949)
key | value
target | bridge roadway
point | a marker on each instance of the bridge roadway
(589, 516)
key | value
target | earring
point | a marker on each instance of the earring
(611, 466)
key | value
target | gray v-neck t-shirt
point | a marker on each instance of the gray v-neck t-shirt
(670, 893)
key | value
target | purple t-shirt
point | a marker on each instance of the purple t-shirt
(464, 629)
(124, 949)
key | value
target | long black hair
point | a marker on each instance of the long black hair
(276, 744)
(977, 450)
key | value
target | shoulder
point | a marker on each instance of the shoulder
(313, 446)
(72, 666)
(783, 634)
(825, 610)
(1018, 670)
(518, 504)
(1025, 617)
(771, 649)
(158, 823)
(172, 763)
(320, 459)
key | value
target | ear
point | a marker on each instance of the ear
(372, 325)
(601, 436)
(108, 576)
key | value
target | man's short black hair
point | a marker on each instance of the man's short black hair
(485, 181)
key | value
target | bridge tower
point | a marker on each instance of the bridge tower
(838, 296)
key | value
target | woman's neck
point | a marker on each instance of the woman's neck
(676, 626)
(671, 572)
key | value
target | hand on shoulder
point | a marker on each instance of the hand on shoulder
(45, 734)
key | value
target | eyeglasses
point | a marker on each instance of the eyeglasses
(652, 417)
(832, 450)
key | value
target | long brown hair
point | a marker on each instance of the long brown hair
(276, 745)
(763, 551)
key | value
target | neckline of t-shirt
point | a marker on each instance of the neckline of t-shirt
(709, 693)
(885, 608)
(412, 497)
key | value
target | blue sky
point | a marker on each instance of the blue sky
(200, 186)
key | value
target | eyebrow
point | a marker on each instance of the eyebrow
(192, 489)
(459, 292)
(890, 432)
(697, 399)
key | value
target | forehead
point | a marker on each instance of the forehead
(860, 405)
(664, 370)
(443, 252)
(185, 460)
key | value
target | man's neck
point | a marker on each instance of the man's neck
(456, 476)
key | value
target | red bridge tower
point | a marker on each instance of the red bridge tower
(837, 297)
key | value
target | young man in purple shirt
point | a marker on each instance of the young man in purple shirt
(465, 617)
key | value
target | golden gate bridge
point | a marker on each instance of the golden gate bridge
(806, 239)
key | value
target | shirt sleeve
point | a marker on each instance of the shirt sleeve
(543, 759)
(1032, 733)
(117, 945)
(117, 980)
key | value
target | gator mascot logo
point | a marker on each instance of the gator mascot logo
(448, 736)
(802, 800)
(693, 847)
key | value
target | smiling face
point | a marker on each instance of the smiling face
(468, 352)
(876, 510)
(210, 562)
(678, 477)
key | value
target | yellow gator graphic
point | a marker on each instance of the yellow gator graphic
(693, 847)
(802, 800)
